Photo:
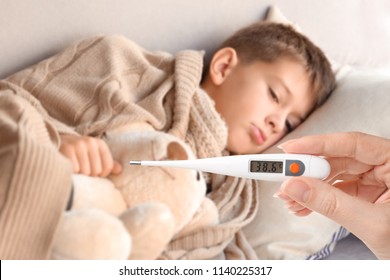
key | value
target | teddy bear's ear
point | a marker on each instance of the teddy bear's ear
(176, 151)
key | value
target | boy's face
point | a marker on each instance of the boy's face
(261, 102)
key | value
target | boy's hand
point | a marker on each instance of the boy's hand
(89, 156)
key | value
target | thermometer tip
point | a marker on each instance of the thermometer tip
(135, 162)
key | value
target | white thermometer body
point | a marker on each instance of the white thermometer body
(268, 167)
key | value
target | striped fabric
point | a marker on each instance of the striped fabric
(328, 248)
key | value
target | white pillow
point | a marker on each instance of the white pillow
(360, 102)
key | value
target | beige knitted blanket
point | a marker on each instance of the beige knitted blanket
(106, 82)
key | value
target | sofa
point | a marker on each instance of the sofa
(353, 34)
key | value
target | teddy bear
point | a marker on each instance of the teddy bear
(135, 214)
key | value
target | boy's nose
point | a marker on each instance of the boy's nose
(276, 123)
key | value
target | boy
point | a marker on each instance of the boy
(295, 61)
(261, 84)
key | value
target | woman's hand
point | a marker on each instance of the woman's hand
(361, 200)
(89, 156)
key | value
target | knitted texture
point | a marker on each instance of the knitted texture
(35, 181)
(105, 83)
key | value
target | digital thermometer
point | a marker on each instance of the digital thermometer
(268, 167)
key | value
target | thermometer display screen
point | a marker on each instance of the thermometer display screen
(266, 166)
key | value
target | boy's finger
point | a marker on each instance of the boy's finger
(106, 159)
(95, 161)
(68, 152)
(110, 166)
(117, 168)
(83, 160)
(75, 163)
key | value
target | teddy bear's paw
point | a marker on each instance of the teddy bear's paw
(151, 226)
(95, 192)
(182, 190)
(91, 234)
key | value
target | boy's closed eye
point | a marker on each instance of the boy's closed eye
(288, 125)
(273, 95)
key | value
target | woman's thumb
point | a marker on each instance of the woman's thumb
(327, 200)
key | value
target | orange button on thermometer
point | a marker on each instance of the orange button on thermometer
(295, 168)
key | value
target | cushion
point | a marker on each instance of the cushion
(359, 103)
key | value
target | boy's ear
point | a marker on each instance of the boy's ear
(222, 64)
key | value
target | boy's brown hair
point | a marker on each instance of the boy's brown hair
(268, 42)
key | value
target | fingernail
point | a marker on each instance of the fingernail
(276, 195)
(287, 206)
(296, 189)
(284, 144)
(281, 146)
